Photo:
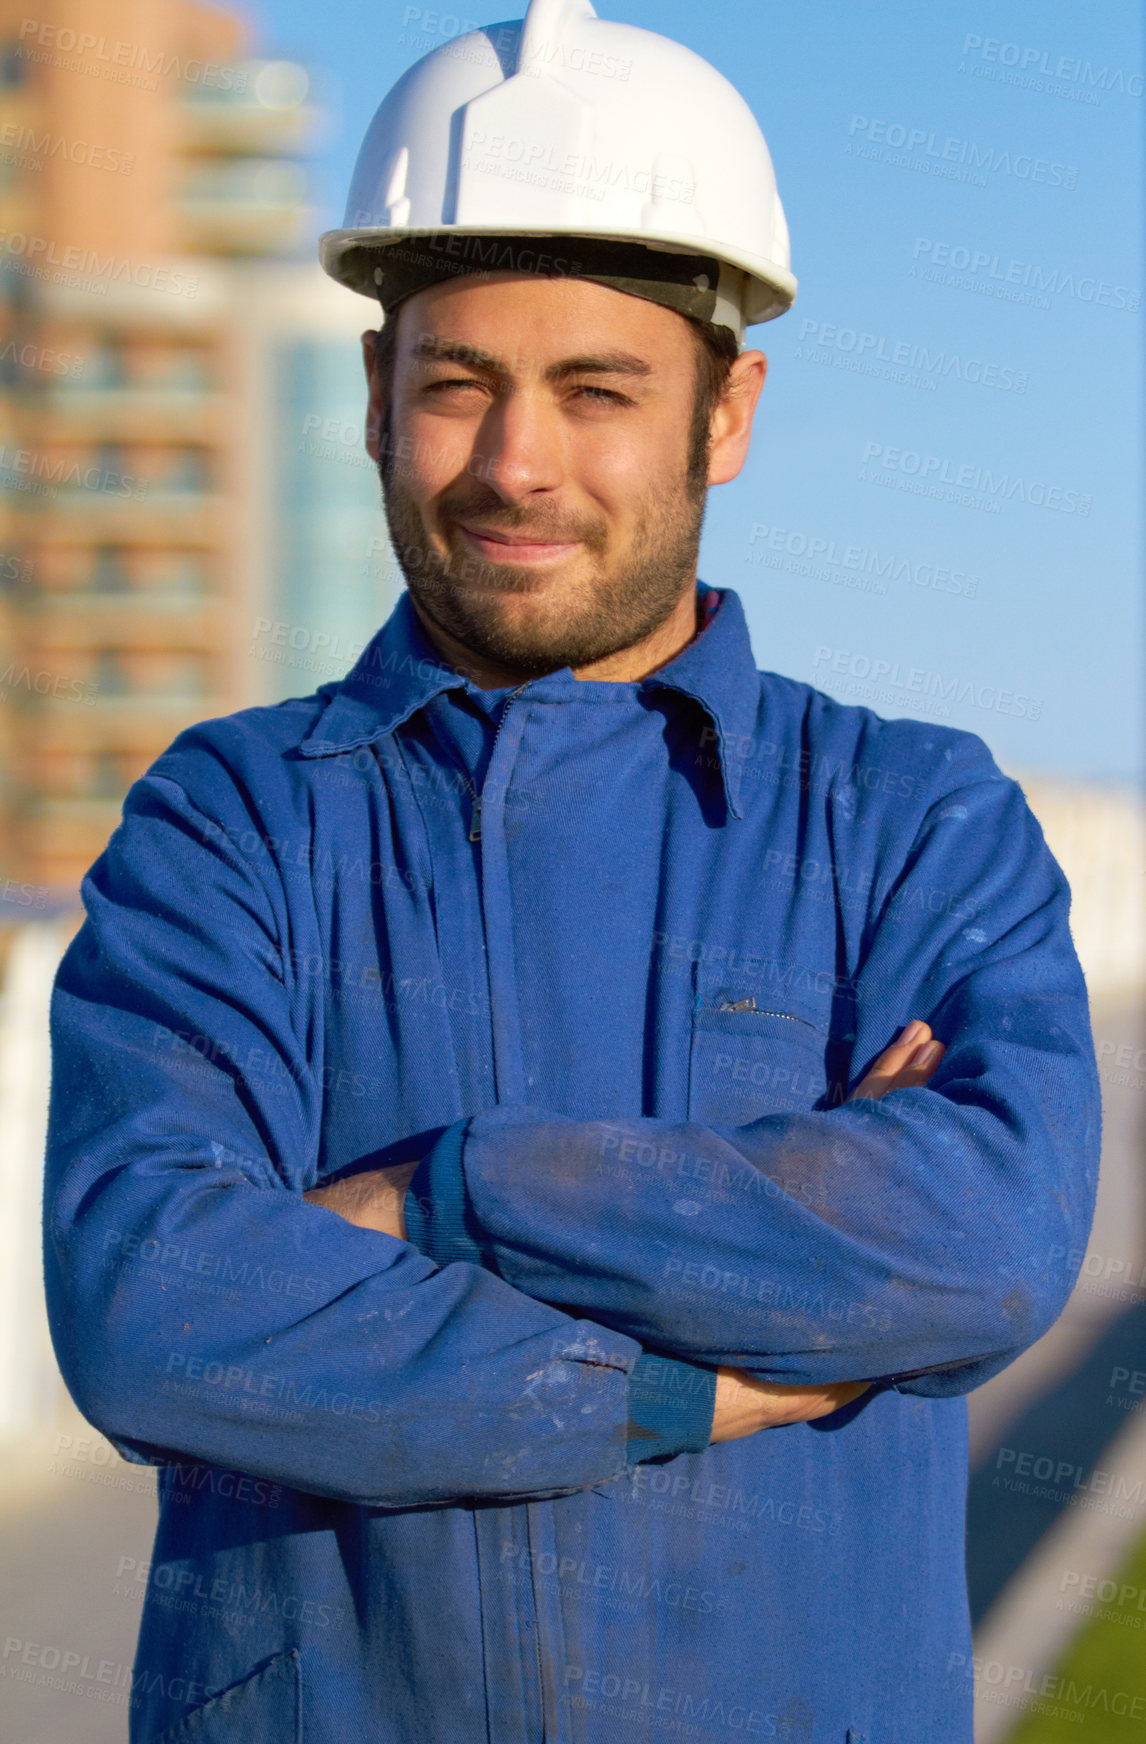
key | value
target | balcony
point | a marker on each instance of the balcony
(143, 725)
(261, 110)
(58, 839)
(245, 206)
(192, 519)
(83, 413)
(139, 619)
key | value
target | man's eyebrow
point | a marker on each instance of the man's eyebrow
(604, 363)
(429, 350)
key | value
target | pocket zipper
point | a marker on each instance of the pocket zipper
(750, 1005)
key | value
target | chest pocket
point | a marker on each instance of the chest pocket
(750, 1057)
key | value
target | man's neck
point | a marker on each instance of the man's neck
(648, 655)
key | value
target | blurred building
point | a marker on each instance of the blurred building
(170, 357)
(319, 571)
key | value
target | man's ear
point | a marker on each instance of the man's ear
(375, 404)
(730, 427)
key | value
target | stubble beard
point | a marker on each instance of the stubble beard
(601, 614)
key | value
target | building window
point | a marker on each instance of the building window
(187, 573)
(106, 365)
(108, 675)
(185, 371)
(13, 67)
(106, 779)
(11, 373)
(14, 288)
(15, 571)
(111, 464)
(188, 473)
(107, 573)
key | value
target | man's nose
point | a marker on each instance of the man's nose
(521, 446)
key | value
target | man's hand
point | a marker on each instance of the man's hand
(906, 1065)
(375, 1199)
(744, 1405)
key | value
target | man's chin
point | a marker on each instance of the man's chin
(531, 630)
(528, 599)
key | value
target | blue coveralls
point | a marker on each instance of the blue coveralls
(408, 1492)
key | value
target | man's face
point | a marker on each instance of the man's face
(536, 469)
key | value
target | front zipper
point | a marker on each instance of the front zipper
(475, 818)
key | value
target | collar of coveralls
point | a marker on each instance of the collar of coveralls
(399, 670)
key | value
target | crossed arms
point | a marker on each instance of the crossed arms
(376, 1199)
(340, 1360)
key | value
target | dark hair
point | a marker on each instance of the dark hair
(716, 351)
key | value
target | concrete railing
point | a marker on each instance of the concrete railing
(1098, 837)
(29, 1381)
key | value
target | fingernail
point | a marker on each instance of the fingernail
(913, 1032)
(924, 1055)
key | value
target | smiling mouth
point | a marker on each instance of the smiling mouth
(514, 547)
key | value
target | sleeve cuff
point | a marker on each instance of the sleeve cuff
(439, 1218)
(671, 1405)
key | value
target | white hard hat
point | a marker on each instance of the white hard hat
(564, 126)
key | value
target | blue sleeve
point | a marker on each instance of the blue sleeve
(671, 1403)
(439, 1219)
(184, 1127)
(917, 1240)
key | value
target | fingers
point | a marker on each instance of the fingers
(805, 1404)
(919, 1068)
(745, 1405)
(906, 1065)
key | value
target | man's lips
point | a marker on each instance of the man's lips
(516, 547)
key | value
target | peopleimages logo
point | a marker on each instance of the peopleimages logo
(988, 1674)
(40, 257)
(31, 150)
(589, 1687)
(918, 681)
(123, 62)
(1062, 1481)
(875, 569)
(981, 265)
(1027, 63)
(923, 146)
(928, 361)
(508, 153)
(995, 487)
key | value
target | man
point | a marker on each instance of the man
(501, 1169)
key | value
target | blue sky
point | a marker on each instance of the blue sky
(1014, 304)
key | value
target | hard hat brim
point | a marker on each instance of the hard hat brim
(770, 289)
